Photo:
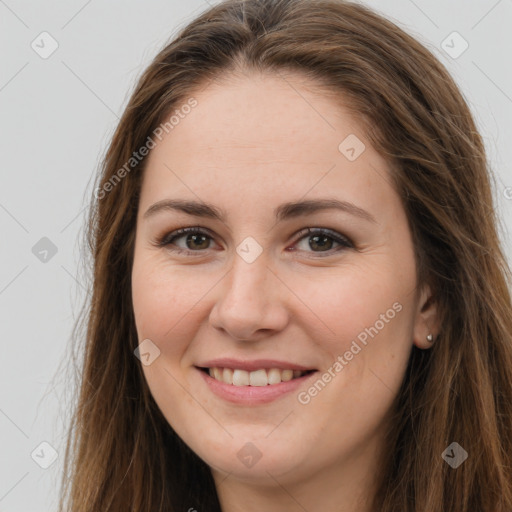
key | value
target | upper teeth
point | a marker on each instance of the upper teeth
(261, 377)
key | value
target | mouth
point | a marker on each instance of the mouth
(253, 383)
(256, 378)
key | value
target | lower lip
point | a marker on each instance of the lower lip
(253, 394)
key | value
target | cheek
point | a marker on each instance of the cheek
(162, 302)
(171, 304)
(369, 313)
(348, 304)
(364, 324)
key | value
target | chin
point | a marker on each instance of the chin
(253, 455)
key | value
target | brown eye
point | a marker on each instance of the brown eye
(321, 240)
(195, 239)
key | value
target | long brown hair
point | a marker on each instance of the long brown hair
(122, 455)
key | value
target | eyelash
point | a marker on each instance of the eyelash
(167, 239)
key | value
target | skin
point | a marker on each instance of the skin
(252, 143)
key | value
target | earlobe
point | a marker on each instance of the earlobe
(426, 326)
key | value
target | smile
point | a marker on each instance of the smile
(252, 383)
(260, 377)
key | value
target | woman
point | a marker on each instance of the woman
(229, 365)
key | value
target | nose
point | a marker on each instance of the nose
(251, 301)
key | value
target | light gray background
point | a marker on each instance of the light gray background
(57, 115)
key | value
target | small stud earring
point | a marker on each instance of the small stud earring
(430, 338)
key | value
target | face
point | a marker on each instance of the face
(295, 288)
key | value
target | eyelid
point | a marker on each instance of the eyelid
(337, 237)
(165, 240)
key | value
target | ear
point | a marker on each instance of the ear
(427, 320)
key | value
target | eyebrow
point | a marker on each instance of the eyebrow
(285, 211)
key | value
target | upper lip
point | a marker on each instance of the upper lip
(253, 365)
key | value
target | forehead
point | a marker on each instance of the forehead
(260, 137)
(266, 115)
